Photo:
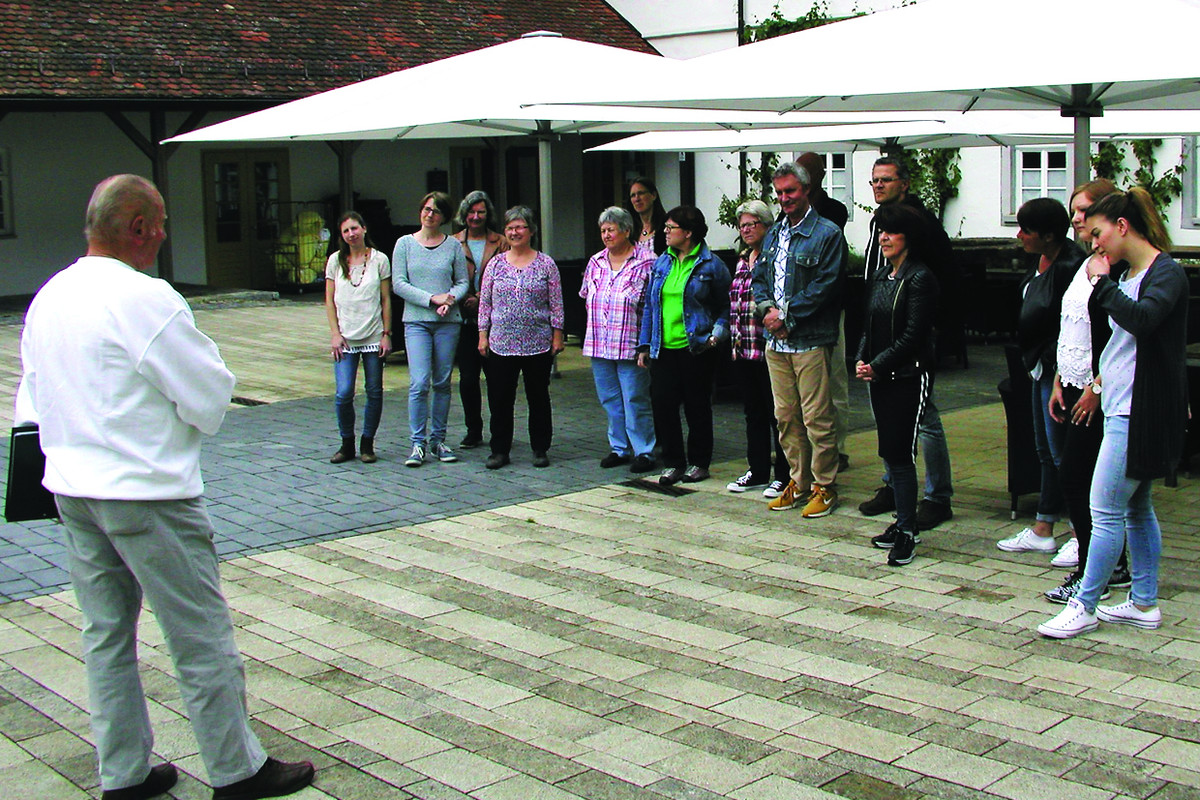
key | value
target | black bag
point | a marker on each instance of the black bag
(26, 498)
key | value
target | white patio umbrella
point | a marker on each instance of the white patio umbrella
(1079, 57)
(972, 129)
(424, 102)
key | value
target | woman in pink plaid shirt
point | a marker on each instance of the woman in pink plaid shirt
(614, 288)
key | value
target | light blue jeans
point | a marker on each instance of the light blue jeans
(624, 391)
(345, 372)
(431, 347)
(935, 451)
(1122, 511)
(117, 550)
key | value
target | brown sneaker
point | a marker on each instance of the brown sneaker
(820, 503)
(786, 498)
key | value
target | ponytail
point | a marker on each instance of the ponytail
(1137, 207)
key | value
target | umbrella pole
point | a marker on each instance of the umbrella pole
(546, 194)
(1083, 149)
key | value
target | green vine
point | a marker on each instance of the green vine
(934, 176)
(1109, 162)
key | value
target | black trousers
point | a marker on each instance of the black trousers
(502, 374)
(680, 378)
(1081, 447)
(762, 436)
(470, 365)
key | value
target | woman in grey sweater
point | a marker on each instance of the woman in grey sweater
(429, 270)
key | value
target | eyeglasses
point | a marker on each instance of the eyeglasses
(881, 181)
(515, 228)
(430, 210)
(669, 227)
(749, 226)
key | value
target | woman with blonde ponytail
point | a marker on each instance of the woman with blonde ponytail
(1143, 393)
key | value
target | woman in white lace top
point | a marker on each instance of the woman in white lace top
(1075, 401)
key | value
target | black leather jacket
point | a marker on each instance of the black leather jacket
(897, 338)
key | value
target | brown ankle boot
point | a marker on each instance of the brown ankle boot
(366, 448)
(346, 453)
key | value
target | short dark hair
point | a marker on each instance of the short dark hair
(1044, 216)
(441, 201)
(889, 161)
(691, 219)
(906, 220)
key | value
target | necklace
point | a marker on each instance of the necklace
(362, 270)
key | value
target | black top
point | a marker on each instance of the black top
(897, 338)
(1041, 309)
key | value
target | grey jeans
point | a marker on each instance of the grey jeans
(119, 549)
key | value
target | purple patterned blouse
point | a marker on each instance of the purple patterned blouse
(614, 304)
(520, 307)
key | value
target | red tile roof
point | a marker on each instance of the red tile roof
(260, 49)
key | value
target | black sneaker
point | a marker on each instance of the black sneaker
(1069, 589)
(904, 548)
(275, 779)
(887, 539)
(1120, 579)
(883, 502)
(470, 441)
(160, 780)
(931, 514)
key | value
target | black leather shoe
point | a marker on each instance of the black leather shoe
(931, 514)
(613, 460)
(159, 781)
(670, 476)
(497, 460)
(642, 464)
(883, 501)
(275, 779)
(540, 459)
(470, 440)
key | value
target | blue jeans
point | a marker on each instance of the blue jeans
(1122, 511)
(1048, 437)
(624, 391)
(935, 451)
(344, 374)
(431, 347)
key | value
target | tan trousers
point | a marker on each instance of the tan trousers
(804, 412)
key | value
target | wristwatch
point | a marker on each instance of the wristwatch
(1094, 279)
(1096, 387)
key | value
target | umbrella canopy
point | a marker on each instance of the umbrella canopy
(420, 103)
(957, 55)
(973, 129)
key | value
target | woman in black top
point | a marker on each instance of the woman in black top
(1044, 224)
(896, 359)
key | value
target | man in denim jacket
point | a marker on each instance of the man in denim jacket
(798, 283)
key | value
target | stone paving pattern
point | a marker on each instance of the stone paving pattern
(453, 633)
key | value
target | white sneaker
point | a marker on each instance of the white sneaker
(1026, 541)
(1129, 614)
(774, 489)
(1071, 621)
(747, 481)
(1068, 554)
(416, 458)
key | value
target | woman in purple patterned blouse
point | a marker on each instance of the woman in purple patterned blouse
(748, 339)
(614, 288)
(520, 332)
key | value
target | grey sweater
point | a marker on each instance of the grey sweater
(419, 272)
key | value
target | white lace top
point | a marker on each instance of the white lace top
(1075, 332)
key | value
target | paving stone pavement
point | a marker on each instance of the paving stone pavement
(453, 633)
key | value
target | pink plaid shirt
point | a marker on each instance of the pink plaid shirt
(747, 335)
(614, 304)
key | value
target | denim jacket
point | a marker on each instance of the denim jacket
(705, 303)
(816, 274)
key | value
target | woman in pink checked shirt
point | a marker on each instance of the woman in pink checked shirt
(614, 288)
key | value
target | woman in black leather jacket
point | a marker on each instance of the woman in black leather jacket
(896, 358)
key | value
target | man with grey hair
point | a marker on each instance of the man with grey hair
(123, 393)
(798, 288)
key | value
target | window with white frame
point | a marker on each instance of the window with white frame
(1035, 172)
(6, 212)
(1191, 183)
(839, 182)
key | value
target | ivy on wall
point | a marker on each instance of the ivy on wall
(1110, 162)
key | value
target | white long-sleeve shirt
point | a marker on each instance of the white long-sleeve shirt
(122, 383)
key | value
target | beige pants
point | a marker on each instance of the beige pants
(804, 412)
